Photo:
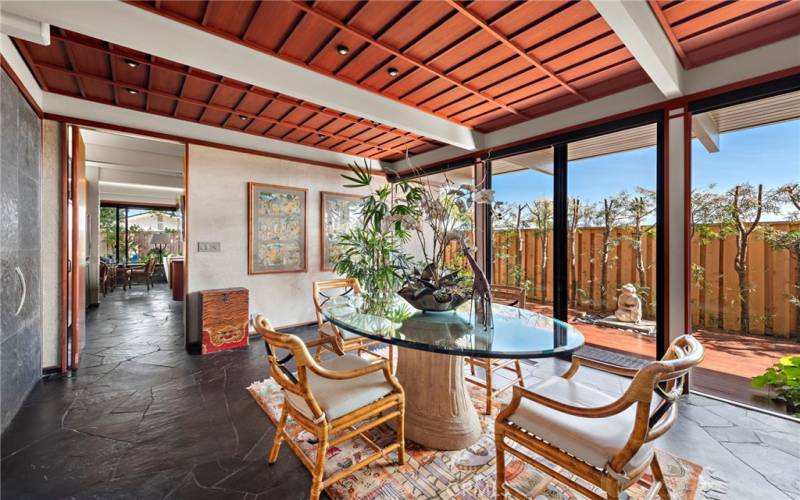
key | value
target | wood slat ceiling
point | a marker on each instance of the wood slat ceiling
(486, 65)
(703, 31)
(79, 66)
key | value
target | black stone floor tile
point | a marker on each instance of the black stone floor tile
(141, 418)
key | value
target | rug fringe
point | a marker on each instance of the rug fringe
(711, 485)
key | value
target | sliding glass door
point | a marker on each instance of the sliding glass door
(522, 226)
(575, 223)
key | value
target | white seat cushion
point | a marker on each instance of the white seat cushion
(593, 440)
(328, 329)
(340, 397)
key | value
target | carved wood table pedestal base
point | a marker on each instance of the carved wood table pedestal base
(439, 412)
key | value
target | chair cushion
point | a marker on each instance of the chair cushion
(593, 440)
(340, 397)
(328, 329)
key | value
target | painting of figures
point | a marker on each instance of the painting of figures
(276, 229)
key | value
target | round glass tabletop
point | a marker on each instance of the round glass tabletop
(517, 333)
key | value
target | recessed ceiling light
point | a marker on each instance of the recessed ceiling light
(132, 63)
(342, 50)
(392, 72)
(322, 136)
(132, 91)
(242, 117)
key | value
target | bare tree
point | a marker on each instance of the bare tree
(609, 214)
(542, 217)
(639, 210)
(578, 213)
(745, 207)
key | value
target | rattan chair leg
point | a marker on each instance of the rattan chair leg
(518, 369)
(401, 435)
(276, 443)
(319, 465)
(658, 475)
(500, 461)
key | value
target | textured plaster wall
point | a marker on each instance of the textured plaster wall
(51, 241)
(217, 211)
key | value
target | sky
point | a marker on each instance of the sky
(769, 155)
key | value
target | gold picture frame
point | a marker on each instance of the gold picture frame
(336, 210)
(277, 227)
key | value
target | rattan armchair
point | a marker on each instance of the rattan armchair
(346, 341)
(606, 441)
(328, 399)
(512, 296)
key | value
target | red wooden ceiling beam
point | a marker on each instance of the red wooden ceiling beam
(513, 46)
(216, 107)
(673, 40)
(398, 54)
(71, 60)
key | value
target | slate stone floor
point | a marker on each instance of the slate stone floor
(143, 419)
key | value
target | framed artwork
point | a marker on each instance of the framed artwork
(338, 213)
(276, 229)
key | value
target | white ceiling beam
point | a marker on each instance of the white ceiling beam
(73, 107)
(706, 130)
(135, 28)
(14, 59)
(637, 27)
(117, 176)
(24, 28)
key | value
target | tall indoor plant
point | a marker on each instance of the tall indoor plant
(373, 252)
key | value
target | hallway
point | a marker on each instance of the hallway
(144, 419)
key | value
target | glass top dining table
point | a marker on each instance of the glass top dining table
(439, 412)
(517, 333)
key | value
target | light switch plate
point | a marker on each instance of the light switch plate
(209, 246)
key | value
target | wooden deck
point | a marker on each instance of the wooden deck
(730, 360)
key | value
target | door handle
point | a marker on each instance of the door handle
(24, 290)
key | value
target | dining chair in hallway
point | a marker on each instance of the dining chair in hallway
(512, 296)
(143, 274)
(329, 399)
(347, 341)
(607, 441)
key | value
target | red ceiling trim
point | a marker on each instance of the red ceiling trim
(187, 140)
(673, 40)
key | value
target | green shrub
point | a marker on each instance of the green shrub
(782, 381)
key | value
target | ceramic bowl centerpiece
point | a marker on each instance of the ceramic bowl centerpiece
(437, 217)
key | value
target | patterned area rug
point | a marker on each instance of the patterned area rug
(463, 474)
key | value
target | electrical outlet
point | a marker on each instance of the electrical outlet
(209, 246)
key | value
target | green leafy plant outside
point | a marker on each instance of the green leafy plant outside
(782, 381)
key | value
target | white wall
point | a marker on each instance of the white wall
(217, 211)
(93, 234)
(51, 242)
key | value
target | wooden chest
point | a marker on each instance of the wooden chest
(225, 314)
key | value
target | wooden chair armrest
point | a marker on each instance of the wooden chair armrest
(333, 341)
(578, 411)
(578, 361)
(375, 366)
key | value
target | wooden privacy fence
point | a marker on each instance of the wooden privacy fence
(715, 289)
